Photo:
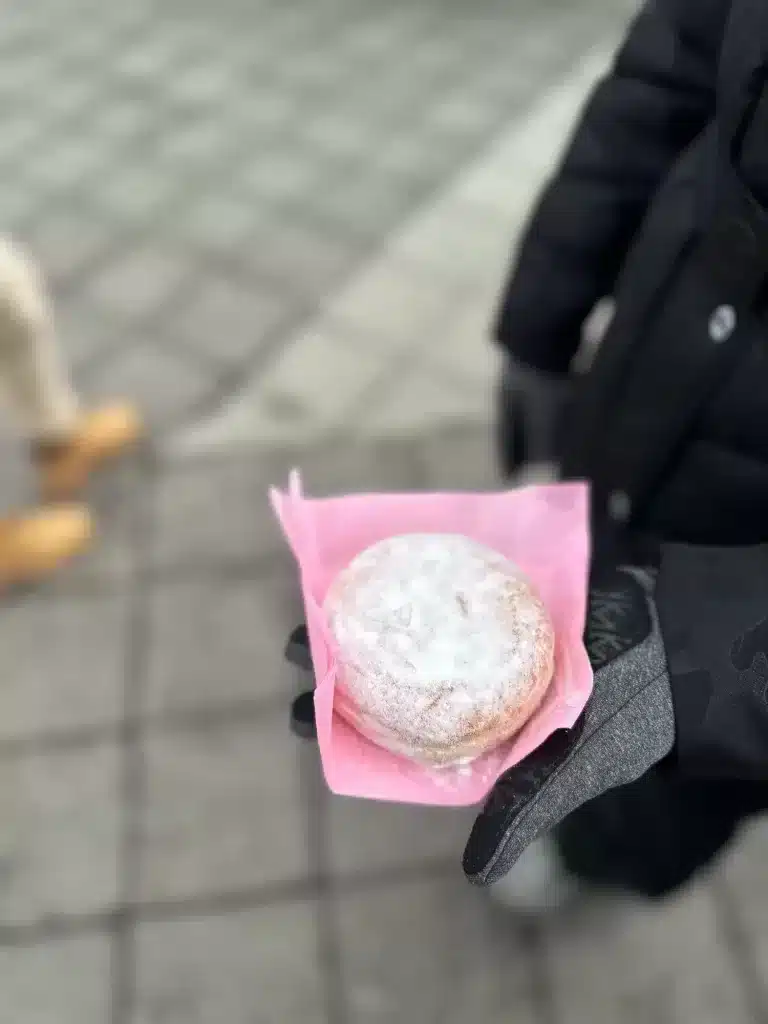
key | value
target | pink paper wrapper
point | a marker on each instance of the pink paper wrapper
(543, 529)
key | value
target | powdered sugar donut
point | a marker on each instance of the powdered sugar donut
(443, 647)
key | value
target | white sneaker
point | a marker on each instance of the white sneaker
(538, 883)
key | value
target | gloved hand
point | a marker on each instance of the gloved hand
(627, 727)
(530, 410)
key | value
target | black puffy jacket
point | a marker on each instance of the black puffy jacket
(662, 202)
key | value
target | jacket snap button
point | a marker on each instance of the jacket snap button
(619, 506)
(722, 324)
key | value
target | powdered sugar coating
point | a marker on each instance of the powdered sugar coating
(443, 647)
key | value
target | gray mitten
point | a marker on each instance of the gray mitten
(628, 726)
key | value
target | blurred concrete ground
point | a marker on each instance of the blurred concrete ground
(280, 226)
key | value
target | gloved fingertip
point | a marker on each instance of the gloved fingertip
(477, 878)
(297, 649)
(303, 716)
(480, 850)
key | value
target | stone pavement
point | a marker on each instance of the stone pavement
(170, 855)
(213, 191)
(280, 225)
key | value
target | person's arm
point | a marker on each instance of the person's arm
(713, 610)
(657, 98)
(681, 677)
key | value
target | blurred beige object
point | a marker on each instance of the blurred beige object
(36, 385)
(95, 437)
(68, 444)
(37, 543)
(33, 378)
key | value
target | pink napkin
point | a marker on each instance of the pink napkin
(543, 529)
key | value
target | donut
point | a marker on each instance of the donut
(443, 648)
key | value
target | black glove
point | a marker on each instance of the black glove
(531, 408)
(626, 728)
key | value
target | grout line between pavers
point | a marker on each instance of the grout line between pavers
(541, 981)
(245, 710)
(115, 920)
(133, 780)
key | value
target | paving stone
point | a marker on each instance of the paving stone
(451, 226)
(226, 320)
(192, 149)
(389, 300)
(412, 156)
(70, 97)
(245, 423)
(223, 809)
(464, 349)
(313, 73)
(356, 467)
(66, 244)
(665, 962)
(365, 206)
(304, 259)
(212, 510)
(461, 460)
(388, 104)
(419, 399)
(147, 61)
(369, 39)
(58, 844)
(66, 163)
(318, 378)
(267, 110)
(17, 204)
(429, 951)
(221, 640)
(364, 836)
(240, 968)
(165, 384)
(123, 120)
(281, 174)
(338, 136)
(136, 283)
(21, 134)
(506, 185)
(460, 115)
(83, 49)
(134, 194)
(203, 84)
(58, 982)
(85, 331)
(438, 54)
(62, 664)
(219, 222)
